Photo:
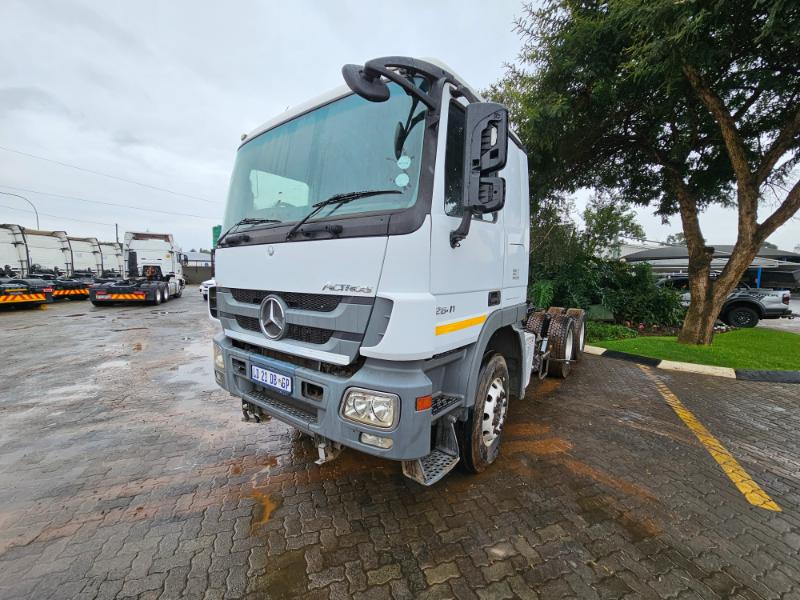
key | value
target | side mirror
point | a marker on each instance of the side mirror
(486, 143)
(487, 152)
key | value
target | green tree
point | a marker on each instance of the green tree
(676, 239)
(674, 104)
(607, 222)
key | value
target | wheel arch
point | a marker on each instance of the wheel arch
(502, 332)
(742, 302)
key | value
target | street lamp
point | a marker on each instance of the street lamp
(29, 202)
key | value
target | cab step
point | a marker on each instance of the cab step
(431, 468)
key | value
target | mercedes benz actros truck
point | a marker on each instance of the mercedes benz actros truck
(371, 282)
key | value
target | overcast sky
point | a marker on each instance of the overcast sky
(159, 93)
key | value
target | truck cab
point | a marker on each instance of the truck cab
(153, 272)
(111, 257)
(371, 280)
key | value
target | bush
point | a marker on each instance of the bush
(540, 293)
(601, 332)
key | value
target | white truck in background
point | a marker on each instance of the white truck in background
(113, 263)
(86, 257)
(371, 282)
(153, 271)
(42, 255)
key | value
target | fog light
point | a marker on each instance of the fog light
(376, 440)
(378, 409)
(219, 358)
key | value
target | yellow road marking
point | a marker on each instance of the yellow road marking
(735, 472)
(459, 325)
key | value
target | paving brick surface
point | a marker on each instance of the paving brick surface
(125, 473)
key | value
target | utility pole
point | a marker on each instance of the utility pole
(36, 212)
(116, 231)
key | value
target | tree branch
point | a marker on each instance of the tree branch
(730, 134)
(780, 146)
(787, 209)
(748, 103)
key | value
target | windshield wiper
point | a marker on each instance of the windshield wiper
(339, 200)
(246, 221)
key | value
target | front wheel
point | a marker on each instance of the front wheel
(742, 316)
(479, 436)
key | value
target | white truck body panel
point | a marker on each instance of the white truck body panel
(12, 249)
(111, 255)
(85, 254)
(49, 250)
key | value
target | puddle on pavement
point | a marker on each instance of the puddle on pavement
(285, 576)
(525, 429)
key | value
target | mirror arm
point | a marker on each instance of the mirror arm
(462, 231)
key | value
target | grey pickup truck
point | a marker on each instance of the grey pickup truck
(745, 306)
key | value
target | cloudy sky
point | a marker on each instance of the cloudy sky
(158, 93)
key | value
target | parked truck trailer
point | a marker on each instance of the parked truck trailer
(153, 266)
(371, 282)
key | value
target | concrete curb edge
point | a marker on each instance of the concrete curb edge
(669, 365)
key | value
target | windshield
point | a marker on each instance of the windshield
(349, 145)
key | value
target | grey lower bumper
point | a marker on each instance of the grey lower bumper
(318, 413)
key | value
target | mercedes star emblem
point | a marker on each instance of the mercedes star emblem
(272, 317)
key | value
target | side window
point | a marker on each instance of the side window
(454, 162)
(454, 166)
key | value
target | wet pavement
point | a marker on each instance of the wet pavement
(125, 473)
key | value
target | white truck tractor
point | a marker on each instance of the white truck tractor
(371, 281)
(153, 267)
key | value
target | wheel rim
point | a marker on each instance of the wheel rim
(569, 342)
(742, 319)
(494, 411)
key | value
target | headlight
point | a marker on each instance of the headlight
(378, 409)
(219, 358)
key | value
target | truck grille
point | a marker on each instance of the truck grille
(295, 300)
(310, 335)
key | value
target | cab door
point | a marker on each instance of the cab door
(466, 280)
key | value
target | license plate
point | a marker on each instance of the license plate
(271, 379)
(101, 294)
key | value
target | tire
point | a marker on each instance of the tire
(157, 297)
(97, 303)
(179, 293)
(555, 310)
(561, 341)
(580, 331)
(742, 316)
(537, 323)
(481, 434)
(165, 294)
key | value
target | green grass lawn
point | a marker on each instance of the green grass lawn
(740, 349)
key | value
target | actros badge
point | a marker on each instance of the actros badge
(346, 287)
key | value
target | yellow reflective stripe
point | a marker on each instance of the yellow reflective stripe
(735, 472)
(459, 325)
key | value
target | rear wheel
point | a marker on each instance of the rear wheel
(480, 435)
(742, 316)
(165, 293)
(157, 297)
(580, 331)
(555, 310)
(561, 342)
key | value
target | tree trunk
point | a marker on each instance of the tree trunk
(698, 326)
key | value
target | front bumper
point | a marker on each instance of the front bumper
(319, 413)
